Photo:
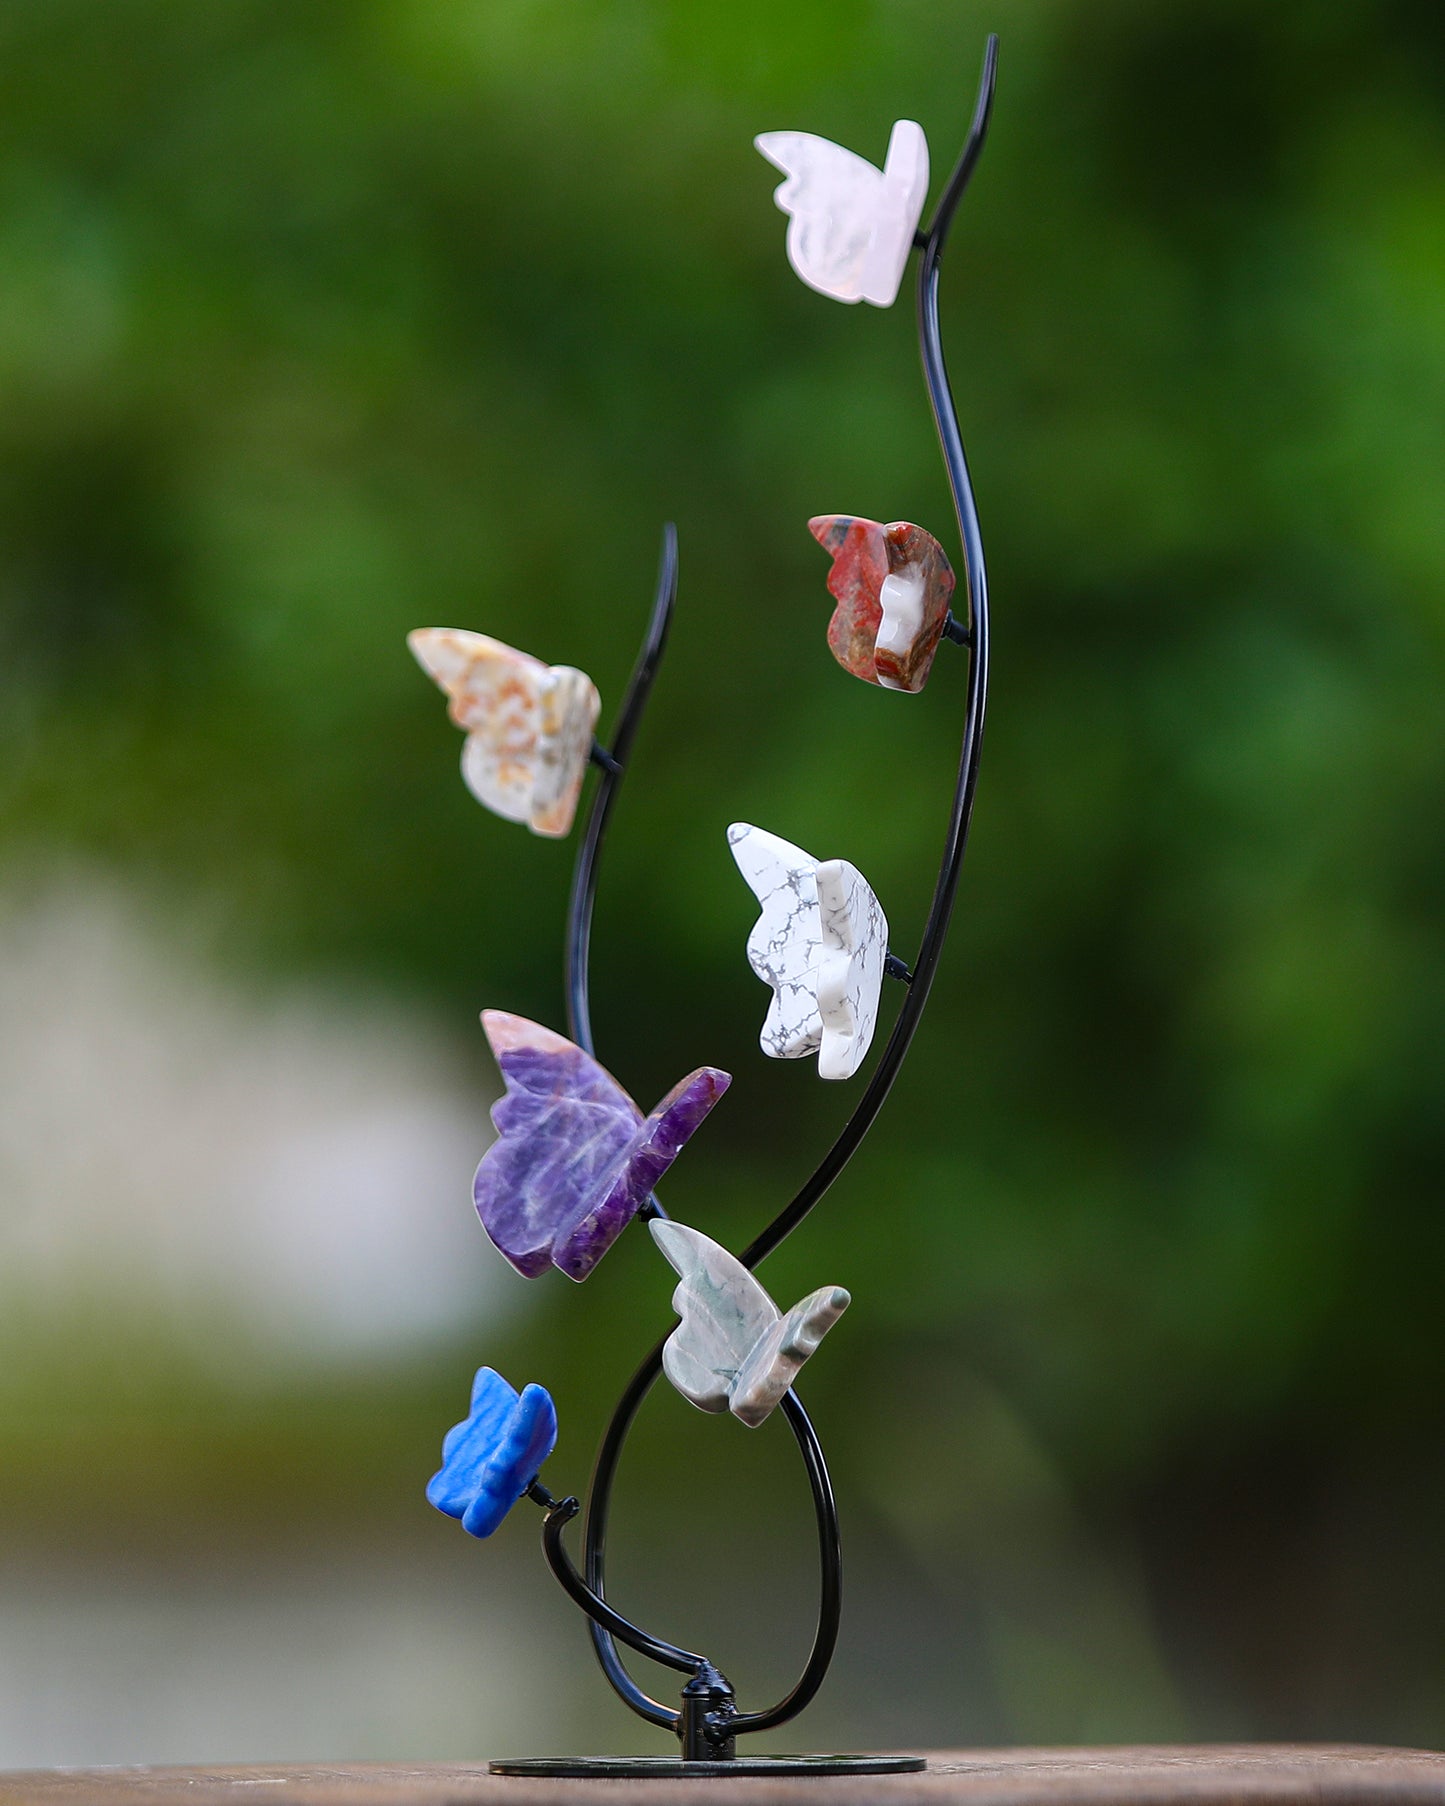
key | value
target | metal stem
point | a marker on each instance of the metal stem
(830, 1601)
(561, 1513)
(629, 717)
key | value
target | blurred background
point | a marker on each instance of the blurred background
(321, 322)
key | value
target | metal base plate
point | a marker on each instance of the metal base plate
(670, 1768)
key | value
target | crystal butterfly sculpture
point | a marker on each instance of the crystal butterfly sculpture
(734, 1350)
(850, 226)
(574, 1158)
(528, 725)
(892, 585)
(821, 942)
(492, 1457)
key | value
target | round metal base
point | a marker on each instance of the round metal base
(670, 1768)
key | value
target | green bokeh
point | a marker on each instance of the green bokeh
(322, 321)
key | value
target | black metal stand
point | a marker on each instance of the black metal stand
(707, 1720)
(670, 1768)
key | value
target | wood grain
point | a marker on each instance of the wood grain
(1207, 1775)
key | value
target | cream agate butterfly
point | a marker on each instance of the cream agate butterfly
(734, 1350)
(850, 226)
(528, 725)
(821, 942)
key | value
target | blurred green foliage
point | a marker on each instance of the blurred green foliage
(322, 321)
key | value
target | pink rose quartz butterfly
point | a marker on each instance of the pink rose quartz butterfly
(850, 226)
(892, 585)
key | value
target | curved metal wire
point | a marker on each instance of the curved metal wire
(975, 636)
(560, 1513)
(614, 766)
(830, 1592)
(830, 1562)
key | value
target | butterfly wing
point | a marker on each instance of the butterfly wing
(833, 199)
(495, 696)
(859, 550)
(913, 600)
(850, 226)
(525, 1441)
(568, 710)
(564, 1129)
(774, 1361)
(785, 947)
(582, 1242)
(850, 975)
(724, 1312)
(905, 189)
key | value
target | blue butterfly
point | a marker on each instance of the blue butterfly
(492, 1457)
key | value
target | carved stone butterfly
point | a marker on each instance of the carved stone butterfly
(821, 942)
(734, 1350)
(493, 1455)
(528, 725)
(851, 226)
(574, 1158)
(892, 585)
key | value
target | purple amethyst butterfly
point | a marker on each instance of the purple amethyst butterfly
(574, 1158)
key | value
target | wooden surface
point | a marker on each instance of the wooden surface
(1217, 1775)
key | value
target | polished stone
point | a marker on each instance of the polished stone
(492, 1457)
(574, 1158)
(850, 975)
(820, 943)
(733, 1350)
(892, 585)
(529, 726)
(850, 226)
(785, 946)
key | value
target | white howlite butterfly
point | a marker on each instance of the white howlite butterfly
(528, 725)
(734, 1350)
(821, 942)
(850, 226)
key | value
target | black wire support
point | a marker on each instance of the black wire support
(560, 1513)
(608, 1626)
(613, 763)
